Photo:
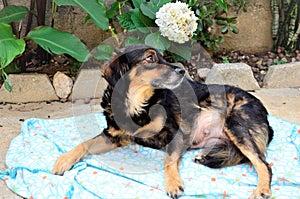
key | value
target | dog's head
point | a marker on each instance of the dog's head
(134, 55)
(144, 79)
(157, 76)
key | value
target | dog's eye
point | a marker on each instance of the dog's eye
(150, 59)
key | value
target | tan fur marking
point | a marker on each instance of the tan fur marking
(112, 131)
(139, 92)
(173, 181)
(154, 127)
(96, 145)
(137, 97)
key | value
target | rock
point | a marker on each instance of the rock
(28, 88)
(235, 74)
(283, 76)
(62, 84)
(202, 72)
(88, 85)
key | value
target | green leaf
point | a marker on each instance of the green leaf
(10, 46)
(182, 50)
(8, 84)
(149, 9)
(137, 3)
(222, 4)
(55, 41)
(200, 25)
(97, 11)
(114, 8)
(224, 30)
(125, 21)
(221, 22)
(104, 52)
(141, 22)
(208, 22)
(132, 40)
(7, 81)
(234, 29)
(160, 3)
(12, 13)
(157, 41)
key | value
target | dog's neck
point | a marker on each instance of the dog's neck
(138, 95)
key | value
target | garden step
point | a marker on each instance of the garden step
(28, 88)
(283, 76)
(235, 74)
(88, 85)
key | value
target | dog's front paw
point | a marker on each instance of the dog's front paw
(63, 163)
(174, 188)
(261, 194)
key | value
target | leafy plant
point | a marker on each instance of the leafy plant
(277, 62)
(142, 14)
(50, 39)
(225, 60)
(286, 24)
(135, 16)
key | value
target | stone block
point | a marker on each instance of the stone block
(88, 85)
(28, 88)
(283, 76)
(203, 72)
(235, 74)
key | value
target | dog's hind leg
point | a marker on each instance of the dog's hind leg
(97, 145)
(239, 134)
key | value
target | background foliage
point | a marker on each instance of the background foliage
(134, 16)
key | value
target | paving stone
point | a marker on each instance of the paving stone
(62, 84)
(283, 76)
(88, 85)
(28, 88)
(235, 74)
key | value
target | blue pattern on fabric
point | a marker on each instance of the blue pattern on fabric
(135, 171)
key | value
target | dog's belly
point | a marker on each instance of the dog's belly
(208, 129)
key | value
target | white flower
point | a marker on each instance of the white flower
(176, 22)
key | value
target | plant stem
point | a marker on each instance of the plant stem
(29, 19)
(41, 12)
(54, 10)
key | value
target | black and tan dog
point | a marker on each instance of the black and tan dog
(151, 103)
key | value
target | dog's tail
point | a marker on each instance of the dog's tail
(221, 155)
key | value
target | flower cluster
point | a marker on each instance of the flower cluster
(176, 22)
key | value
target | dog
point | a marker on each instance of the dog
(149, 101)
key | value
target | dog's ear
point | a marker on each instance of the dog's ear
(114, 71)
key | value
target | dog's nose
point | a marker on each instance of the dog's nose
(180, 71)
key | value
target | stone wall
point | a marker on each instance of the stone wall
(254, 26)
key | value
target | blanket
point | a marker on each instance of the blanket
(135, 171)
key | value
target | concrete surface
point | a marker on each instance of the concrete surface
(284, 103)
